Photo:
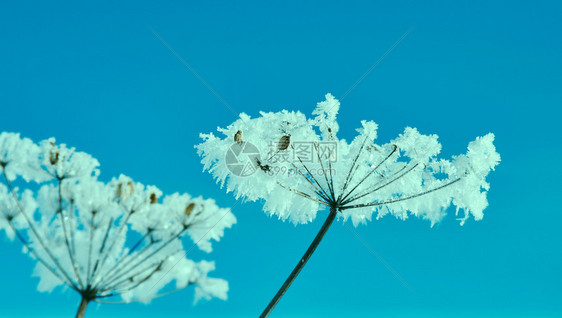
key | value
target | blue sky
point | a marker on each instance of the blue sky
(94, 76)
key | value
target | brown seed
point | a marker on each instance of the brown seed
(130, 184)
(54, 157)
(153, 198)
(189, 208)
(263, 167)
(239, 137)
(284, 143)
(121, 192)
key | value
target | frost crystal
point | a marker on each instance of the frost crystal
(358, 178)
(120, 238)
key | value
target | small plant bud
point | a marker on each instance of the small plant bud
(239, 137)
(54, 157)
(189, 208)
(284, 143)
(153, 198)
(124, 190)
(263, 167)
(130, 185)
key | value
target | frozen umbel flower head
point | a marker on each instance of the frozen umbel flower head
(301, 167)
(298, 166)
(117, 239)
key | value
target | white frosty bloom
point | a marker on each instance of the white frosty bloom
(116, 239)
(19, 157)
(10, 216)
(357, 178)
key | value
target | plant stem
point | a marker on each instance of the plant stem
(82, 308)
(302, 262)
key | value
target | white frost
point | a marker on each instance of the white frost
(120, 238)
(402, 177)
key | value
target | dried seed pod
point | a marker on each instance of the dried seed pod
(263, 167)
(123, 192)
(153, 198)
(130, 185)
(284, 143)
(239, 137)
(189, 208)
(54, 157)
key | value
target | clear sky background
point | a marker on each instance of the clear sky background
(94, 76)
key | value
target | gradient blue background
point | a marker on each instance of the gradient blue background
(94, 76)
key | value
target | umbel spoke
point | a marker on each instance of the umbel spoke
(400, 199)
(380, 187)
(368, 174)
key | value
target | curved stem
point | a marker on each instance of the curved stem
(82, 308)
(302, 262)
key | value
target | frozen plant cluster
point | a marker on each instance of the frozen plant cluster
(356, 179)
(116, 239)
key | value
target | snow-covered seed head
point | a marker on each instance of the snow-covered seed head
(358, 177)
(82, 232)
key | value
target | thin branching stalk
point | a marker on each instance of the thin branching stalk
(94, 271)
(120, 272)
(34, 253)
(357, 197)
(108, 251)
(34, 230)
(402, 198)
(66, 240)
(368, 174)
(300, 265)
(90, 243)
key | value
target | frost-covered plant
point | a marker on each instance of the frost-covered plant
(298, 166)
(117, 239)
